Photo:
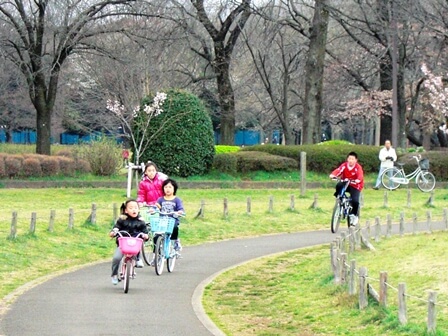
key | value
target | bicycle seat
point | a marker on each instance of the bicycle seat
(400, 164)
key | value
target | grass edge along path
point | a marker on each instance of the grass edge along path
(293, 293)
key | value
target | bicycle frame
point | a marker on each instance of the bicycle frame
(345, 200)
(406, 178)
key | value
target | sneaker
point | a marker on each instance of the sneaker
(177, 245)
(114, 280)
(376, 188)
(139, 263)
(353, 220)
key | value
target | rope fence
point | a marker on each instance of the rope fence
(345, 273)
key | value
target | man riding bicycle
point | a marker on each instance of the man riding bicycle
(352, 171)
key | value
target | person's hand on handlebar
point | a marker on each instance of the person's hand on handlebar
(114, 232)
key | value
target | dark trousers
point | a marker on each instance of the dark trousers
(354, 194)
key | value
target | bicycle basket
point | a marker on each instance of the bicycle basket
(424, 164)
(163, 224)
(130, 245)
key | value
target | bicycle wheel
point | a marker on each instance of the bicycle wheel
(171, 262)
(127, 275)
(390, 178)
(160, 255)
(336, 217)
(426, 181)
(147, 249)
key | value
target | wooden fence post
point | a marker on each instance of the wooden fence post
(334, 261)
(351, 239)
(362, 288)
(292, 202)
(401, 224)
(114, 212)
(342, 242)
(93, 214)
(377, 229)
(428, 221)
(302, 173)
(383, 289)
(314, 205)
(430, 201)
(409, 198)
(352, 281)
(385, 202)
(226, 208)
(402, 310)
(389, 226)
(33, 223)
(368, 230)
(432, 312)
(271, 204)
(343, 268)
(249, 206)
(13, 231)
(51, 222)
(445, 218)
(71, 218)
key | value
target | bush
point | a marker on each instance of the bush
(184, 145)
(226, 149)
(103, 156)
(50, 166)
(226, 163)
(2, 167)
(31, 167)
(66, 166)
(82, 166)
(253, 161)
(13, 165)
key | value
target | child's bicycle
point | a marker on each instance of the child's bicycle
(162, 226)
(393, 177)
(130, 247)
(148, 245)
(342, 207)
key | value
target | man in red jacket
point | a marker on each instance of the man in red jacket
(352, 171)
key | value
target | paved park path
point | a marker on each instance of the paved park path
(84, 302)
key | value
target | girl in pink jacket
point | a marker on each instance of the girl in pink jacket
(150, 188)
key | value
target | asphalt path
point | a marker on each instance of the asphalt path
(84, 302)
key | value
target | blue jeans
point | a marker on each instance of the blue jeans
(378, 180)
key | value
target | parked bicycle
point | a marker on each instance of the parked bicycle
(342, 207)
(162, 227)
(393, 177)
(130, 247)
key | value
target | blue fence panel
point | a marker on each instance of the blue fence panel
(247, 138)
(2, 136)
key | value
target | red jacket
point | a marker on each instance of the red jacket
(149, 190)
(356, 173)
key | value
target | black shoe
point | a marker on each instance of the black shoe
(376, 188)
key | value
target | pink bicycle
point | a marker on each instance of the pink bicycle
(130, 247)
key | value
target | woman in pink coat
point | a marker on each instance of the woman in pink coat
(150, 188)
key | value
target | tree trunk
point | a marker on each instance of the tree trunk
(227, 103)
(314, 70)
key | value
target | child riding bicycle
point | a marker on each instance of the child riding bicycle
(130, 222)
(352, 171)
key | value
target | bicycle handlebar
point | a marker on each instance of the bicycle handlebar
(122, 233)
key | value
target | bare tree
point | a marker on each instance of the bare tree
(43, 34)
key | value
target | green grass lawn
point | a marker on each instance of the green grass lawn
(31, 256)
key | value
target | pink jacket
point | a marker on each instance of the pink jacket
(149, 190)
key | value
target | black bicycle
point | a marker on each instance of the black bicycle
(342, 207)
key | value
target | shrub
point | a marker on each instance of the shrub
(184, 145)
(13, 165)
(66, 166)
(31, 167)
(65, 152)
(82, 166)
(2, 167)
(226, 149)
(50, 166)
(103, 156)
(225, 163)
(253, 161)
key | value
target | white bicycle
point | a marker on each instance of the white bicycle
(393, 177)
